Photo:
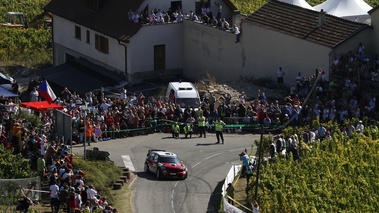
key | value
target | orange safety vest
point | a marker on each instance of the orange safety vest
(89, 130)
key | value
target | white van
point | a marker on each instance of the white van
(184, 94)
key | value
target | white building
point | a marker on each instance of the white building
(277, 34)
(100, 31)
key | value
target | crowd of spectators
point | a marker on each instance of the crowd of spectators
(158, 16)
(68, 188)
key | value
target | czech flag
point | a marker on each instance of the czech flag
(46, 92)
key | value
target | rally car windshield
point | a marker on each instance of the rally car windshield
(169, 160)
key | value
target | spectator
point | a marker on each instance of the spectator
(224, 24)
(41, 167)
(15, 87)
(24, 202)
(249, 172)
(34, 95)
(237, 32)
(91, 195)
(255, 207)
(359, 127)
(245, 162)
(230, 193)
(219, 10)
(280, 74)
(66, 94)
(54, 192)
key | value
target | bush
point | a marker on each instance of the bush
(101, 174)
(337, 175)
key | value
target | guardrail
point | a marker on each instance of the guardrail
(232, 123)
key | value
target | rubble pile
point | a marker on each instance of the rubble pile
(236, 89)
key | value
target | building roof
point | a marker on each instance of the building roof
(304, 24)
(230, 4)
(80, 76)
(111, 20)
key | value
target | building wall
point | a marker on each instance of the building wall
(210, 51)
(65, 42)
(267, 50)
(141, 47)
(352, 44)
(375, 33)
(259, 54)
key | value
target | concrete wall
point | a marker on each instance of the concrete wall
(65, 42)
(366, 37)
(210, 50)
(375, 33)
(141, 47)
(267, 50)
(258, 55)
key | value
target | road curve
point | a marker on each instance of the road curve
(207, 165)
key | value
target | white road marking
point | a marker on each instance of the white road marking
(172, 201)
(212, 156)
(172, 197)
(128, 162)
(195, 165)
(172, 206)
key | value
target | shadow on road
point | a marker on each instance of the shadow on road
(152, 176)
(215, 200)
(148, 176)
(206, 144)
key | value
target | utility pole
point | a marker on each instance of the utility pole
(313, 99)
(259, 165)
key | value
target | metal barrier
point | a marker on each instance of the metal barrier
(233, 124)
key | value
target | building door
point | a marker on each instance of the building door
(176, 5)
(70, 58)
(160, 57)
(200, 4)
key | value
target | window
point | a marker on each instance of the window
(159, 57)
(101, 44)
(88, 40)
(78, 33)
(92, 4)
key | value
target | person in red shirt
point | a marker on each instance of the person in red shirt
(89, 132)
(109, 120)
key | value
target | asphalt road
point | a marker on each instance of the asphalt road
(206, 161)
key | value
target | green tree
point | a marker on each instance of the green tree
(13, 166)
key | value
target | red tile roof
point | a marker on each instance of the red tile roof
(111, 19)
(303, 23)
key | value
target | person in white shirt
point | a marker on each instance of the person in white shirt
(91, 194)
(235, 29)
(280, 74)
(54, 193)
(104, 106)
(34, 95)
(179, 18)
(135, 18)
(255, 207)
(359, 128)
(123, 93)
